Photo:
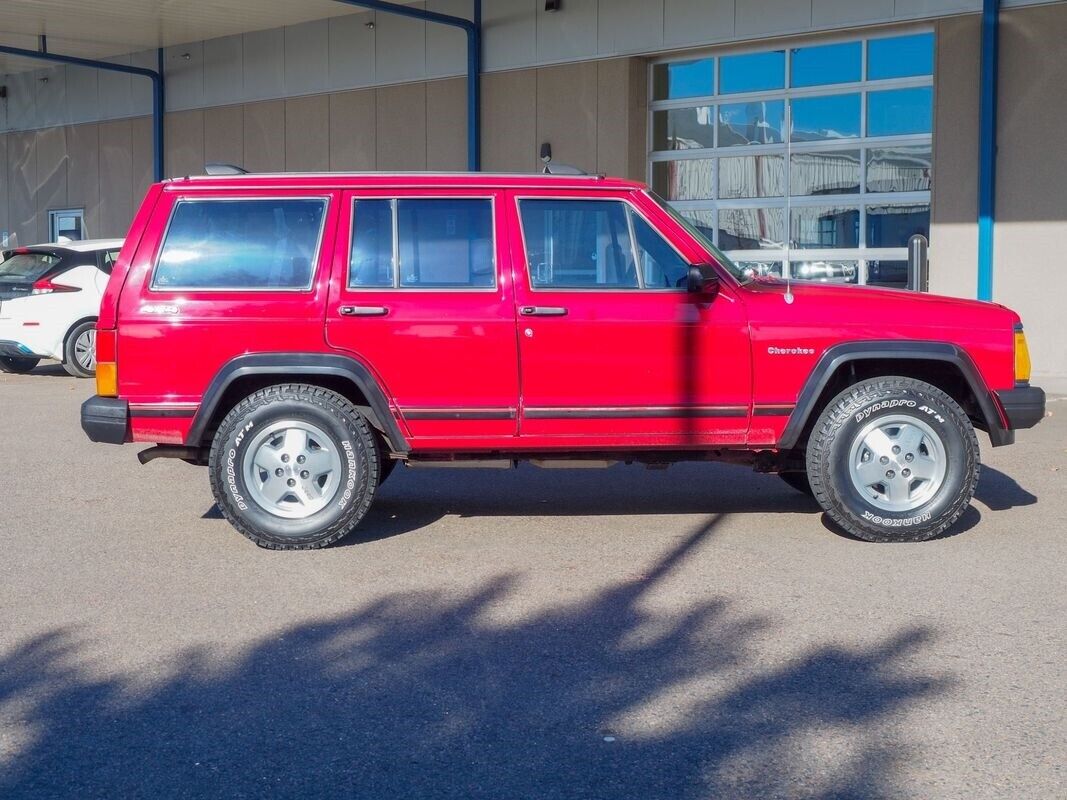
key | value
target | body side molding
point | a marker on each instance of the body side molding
(291, 367)
(841, 354)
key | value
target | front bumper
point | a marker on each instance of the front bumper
(106, 420)
(1024, 406)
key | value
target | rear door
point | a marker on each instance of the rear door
(421, 294)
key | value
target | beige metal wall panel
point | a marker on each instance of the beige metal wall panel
(184, 65)
(224, 135)
(832, 13)
(621, 117)
(567, 35)
(307, 57)
(184, 143)
(22, 175)
(446, 46)
(352, 46)
(567, 113)
(954, 207)
(400, 48)
(697, 21)
(262, 64)
(82, 94)
(83, 173)
(50, 185)
(401, 127)
(116, 177)
(115, 91)
(51, 100)
(141, 159)
(223, 78)
(756, 18)
(1031, 202)
(264, 131)
(446, 124)
(509, 121)
(626, 26)
(307, 134)
(353, 130)
(513, 41)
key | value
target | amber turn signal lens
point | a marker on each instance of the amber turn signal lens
(1022, 358)
(107, 379)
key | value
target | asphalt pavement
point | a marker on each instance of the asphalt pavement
(697, 632)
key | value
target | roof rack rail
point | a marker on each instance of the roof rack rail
(219, 168)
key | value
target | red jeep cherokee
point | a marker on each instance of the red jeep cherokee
(302, 334)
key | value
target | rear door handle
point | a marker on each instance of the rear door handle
(543, 311)
(363, 311)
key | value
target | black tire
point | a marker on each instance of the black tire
(798, 480)
(841, 424)
(17, 365)
(345, 429)
(70, 358)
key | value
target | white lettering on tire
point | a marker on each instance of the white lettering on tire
(882, 405)
(350, 484)
(231, 471)
(890, 522)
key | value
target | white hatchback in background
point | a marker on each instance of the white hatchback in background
(49, 301)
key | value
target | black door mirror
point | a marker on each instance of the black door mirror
(702, 280)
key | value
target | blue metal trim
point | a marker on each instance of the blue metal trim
(987, 147)
(153, 75)
(473, 29)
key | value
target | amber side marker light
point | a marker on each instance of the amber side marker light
(1022, 357)
(107, 373)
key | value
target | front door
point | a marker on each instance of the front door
(417, 296)
(613, 350)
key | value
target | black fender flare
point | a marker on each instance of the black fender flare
(841, 354)
(291, 366)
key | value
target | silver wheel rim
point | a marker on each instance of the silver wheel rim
(897, 463)
(85, 349)
(292, 469)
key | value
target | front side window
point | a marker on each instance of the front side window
(241, 244)
(596, 244)
(433, 243)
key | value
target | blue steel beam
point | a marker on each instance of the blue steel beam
(987, 146)
(473, 29)
(156, 76)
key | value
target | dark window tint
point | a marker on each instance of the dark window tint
(445, 243)
(371, 262)
(26, 266)
(661, 266)
(900, 56)
(579, 244)
(241, 244)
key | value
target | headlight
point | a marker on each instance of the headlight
(1022, 357)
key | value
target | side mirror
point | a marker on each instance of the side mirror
(702, 280)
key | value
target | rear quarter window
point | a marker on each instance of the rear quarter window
(217, 244)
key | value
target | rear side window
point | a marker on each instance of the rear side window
(241, 244)
(596, 244)
(107, 262)
(415, 243)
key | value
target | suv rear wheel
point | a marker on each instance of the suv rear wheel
(294, 467)
(893, 460)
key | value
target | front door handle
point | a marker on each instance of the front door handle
(363, 311)
(543, 311)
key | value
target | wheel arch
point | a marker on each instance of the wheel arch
(70, 329)
(941, 364)
(246, 374)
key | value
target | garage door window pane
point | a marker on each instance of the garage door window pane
(578, 244)
(755, 72)
(241, 244)
(751, 228)
(831, 117)
(832, 63)
(899, 169)
(751, 176)
(683, 79)
(898, 112)
(758, 122)
(833, 172)
(826, 271)
(825, 226)
(892, 226)
(683, 128)
(445, 243)
(900, 56)
(691, 179)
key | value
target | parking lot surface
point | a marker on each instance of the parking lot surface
(624, 633)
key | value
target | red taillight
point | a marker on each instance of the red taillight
(45, 286)
(105, 345)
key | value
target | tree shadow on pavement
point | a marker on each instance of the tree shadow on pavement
(423, 695)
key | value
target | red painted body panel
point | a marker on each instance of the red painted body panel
(702, 362)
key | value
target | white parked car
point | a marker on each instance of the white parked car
(49, 300)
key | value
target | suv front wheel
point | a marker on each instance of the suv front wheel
(893, 460)
(294, 467)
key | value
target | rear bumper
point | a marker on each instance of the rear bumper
(15, 349)
(1024, 406)
(106, 420)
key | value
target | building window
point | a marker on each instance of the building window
(813, 161)
(66, 224)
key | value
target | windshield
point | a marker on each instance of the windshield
(26, 266)
(744, 276)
